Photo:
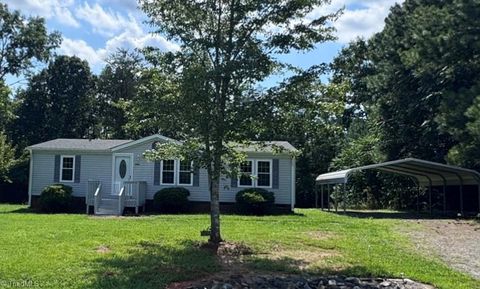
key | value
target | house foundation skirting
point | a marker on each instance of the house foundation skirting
(78, 206)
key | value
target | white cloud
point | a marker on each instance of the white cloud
(131, 38)
(64, 16)
(105, 22)
(121, 31)
(58, 10)
(81, 49)
(366, 18)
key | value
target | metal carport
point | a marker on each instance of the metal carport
(425, 173)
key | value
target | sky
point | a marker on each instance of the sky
(93, 29)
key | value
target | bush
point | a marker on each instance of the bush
(254, 201)
(171, 200)
(56, 198)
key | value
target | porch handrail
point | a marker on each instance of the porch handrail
(92, 186)
(121, 201)
(136, 190)
(97, 197)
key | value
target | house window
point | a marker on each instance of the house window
(264, 173)
(185, 176)
(246, 171)
(168, 172)
(67, 168)
(256, 173)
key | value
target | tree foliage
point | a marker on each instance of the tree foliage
(310, 116)
(6, 106)
(226, 47)
(7, 158)
(23, 41)
(418, 77)
(57, 103)
(117, 83)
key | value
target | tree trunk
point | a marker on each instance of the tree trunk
(215, 170)
(215, 236)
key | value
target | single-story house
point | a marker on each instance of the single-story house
(110, 175)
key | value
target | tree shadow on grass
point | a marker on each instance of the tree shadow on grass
(404, 215)
(153, 265)
(21, 211)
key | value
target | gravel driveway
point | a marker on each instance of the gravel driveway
(456, 242)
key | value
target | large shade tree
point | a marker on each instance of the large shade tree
(310, 115)
(117, 83)
(226, 47)
(418, 80)
(24, 42)
(57, 102)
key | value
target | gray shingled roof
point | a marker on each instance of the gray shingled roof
(267, 146)
(105, 145)
(78, 144)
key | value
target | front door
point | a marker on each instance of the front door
(122, 172)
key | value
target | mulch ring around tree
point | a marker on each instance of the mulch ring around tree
(236, 276)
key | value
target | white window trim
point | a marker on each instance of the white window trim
(178, 175)
(270, 172)
(254, 174)
(174, 173)
(61, 169)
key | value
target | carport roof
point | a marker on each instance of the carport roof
(424, 172)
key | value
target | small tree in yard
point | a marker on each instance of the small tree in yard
(226, 48)
(7, 158)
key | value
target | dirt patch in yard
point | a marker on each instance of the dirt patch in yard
(103, 249)
(456, 242)
(299, 259)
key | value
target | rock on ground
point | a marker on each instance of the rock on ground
(302, 282)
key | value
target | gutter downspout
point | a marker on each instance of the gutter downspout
(30, 170)
(294, 180)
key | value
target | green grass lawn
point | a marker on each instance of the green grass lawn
(61, 251)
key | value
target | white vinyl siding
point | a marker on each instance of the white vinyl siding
(95, 166)
(143, 171)
(98, 166)
(67, 169)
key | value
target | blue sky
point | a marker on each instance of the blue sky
(92, 29)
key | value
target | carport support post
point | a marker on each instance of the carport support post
(461, 199)
(321, 195)
(418, 199)
(444, 199)
(315, 189)
(430, 198)
(344, 187)
(328, 196)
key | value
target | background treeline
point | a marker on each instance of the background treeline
(412, 90)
